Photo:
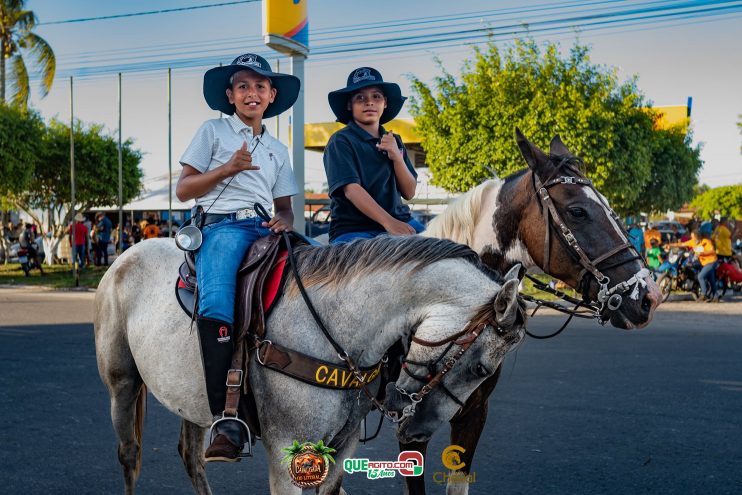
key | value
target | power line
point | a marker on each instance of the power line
(622, 17)
(360, 29)
(148, 12)
(256, 41)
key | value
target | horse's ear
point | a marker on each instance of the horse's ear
(535, 158)
(515, 273)
(557, 147)
(506, 304)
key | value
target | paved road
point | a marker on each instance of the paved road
(594, 411)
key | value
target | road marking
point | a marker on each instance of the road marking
(723, 382)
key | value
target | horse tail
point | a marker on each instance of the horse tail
(141, 410)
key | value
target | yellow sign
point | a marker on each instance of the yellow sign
(451, 459)
(286, 26)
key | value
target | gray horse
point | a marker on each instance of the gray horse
(371, 295)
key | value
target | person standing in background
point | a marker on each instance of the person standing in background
(722, 238)
(81, 240)
(104, 226)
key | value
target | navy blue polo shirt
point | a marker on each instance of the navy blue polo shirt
(351, 157)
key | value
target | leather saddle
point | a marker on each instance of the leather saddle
(260, 281)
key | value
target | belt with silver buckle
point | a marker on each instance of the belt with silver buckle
(242, 214)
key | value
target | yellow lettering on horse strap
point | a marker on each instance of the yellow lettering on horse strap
(333, 379)
(324, 371)
(346, 378)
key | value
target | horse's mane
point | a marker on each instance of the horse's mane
(459, 218)
(337, 264)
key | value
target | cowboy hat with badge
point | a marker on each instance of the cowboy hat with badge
(218, 80)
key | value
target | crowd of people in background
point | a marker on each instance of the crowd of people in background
(709, 241)
(96, 236)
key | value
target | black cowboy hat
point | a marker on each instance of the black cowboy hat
(216, 82)
(360, 78)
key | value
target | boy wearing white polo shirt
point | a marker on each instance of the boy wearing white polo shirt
(231, 164)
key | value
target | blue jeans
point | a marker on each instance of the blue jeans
(370, 234)
(224, 246)
(79, 254)
(708, 271)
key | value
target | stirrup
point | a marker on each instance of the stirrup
(246, 447)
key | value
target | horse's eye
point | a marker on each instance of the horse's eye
(482, 370)
(577, 212)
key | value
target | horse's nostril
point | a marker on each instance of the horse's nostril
(646, 304)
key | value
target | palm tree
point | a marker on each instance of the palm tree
(16, 40)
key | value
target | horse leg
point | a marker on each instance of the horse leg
(334, 481)
(128, 400)
(190, 449)
(466, 429)
(414, 485)
(278, 476)
(127, 391)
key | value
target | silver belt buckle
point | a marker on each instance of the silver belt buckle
(245, 213)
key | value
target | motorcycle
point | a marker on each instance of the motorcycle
(679, 272)
(729, 276)
(28, 263)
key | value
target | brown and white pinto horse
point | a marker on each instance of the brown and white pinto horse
(509, 221)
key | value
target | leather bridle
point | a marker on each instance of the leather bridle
(608, 297)
(464, 339)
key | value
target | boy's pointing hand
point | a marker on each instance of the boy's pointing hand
(241, 160)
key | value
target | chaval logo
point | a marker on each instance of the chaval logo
(249, 59)
(451, 458)
(362, 75)
(223, 335)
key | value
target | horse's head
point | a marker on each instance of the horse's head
(571, 232)
(440, 374)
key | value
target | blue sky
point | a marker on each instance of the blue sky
(674, 60)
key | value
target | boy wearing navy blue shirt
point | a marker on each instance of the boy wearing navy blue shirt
(231, 164)
(368, 170)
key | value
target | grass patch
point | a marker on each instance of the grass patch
(530, 290)
(56, 277)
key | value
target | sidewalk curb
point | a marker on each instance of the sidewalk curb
(46, 288)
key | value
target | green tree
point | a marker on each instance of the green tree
(727, 200)
(468, 124)
(17, 40)
(675, 165)
(96, 175)
(20, 140)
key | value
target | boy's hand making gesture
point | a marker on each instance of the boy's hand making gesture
(389, 144)
(241, 160)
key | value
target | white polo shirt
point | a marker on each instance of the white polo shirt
(214, 144)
